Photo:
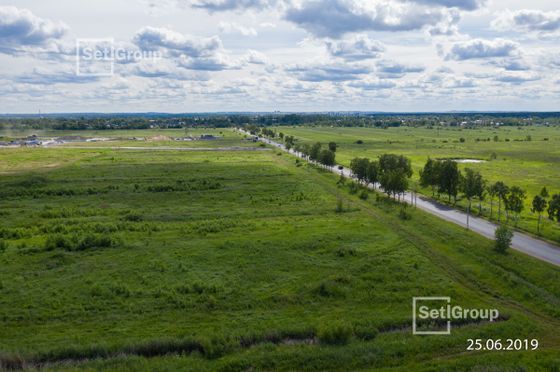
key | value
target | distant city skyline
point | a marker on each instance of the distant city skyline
(282, 55)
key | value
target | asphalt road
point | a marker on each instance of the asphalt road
(521, 242)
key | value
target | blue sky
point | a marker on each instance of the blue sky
(287, 55)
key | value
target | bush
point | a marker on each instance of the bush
(364, 195)
(3, 246)
(329, 288)
(404, 215)
(503, 239)
(58, 241)
(76, 243)
(335, 334)
(133, 217)
(94, 241)
(353, 187)
(344, 251)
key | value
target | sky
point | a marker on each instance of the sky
(279, 55)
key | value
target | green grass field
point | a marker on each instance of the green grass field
(238, 261)
(528, 164)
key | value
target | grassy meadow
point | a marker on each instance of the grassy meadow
(241, 260)
(513, 159)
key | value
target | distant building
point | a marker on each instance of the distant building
(208, 137)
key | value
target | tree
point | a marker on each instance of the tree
(514, 202)
(327, 158)
(429, 175)
(449, 179)
(480, 192)
(539, 205)
(503, 239)
(554, 208)
(289, 141)
(394, 172)
(372, 172)
(502, 191)
(332, 146)
(305, 149)
(492, 192)
(359, 168)
(394, 182)
(471, 186)
(388, 162)
(315, 151)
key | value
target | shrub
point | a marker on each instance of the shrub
(353, 187)
(3, 246)
(133, 217)
(76, 243)
(337, 333)
(364, 195)
(58, 241)
(404, 215)
(503, 239)
(344, 251)
(94, 241)
(329, 288)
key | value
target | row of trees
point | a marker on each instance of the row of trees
(316, 152)
(444, 176)
(391, 172)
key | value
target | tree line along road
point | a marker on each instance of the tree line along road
(521, 242)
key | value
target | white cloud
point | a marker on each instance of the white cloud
(48, 77)
(512, 64)
(20, 28)
(216, 62)
(232, 27)
(328, 72)
(203, 54)
(460, 4)
(165, 70)
(372, 84)
(335, 18)
(227, 5)
(163, 39)
(480, 48)
(394, 70)
(517, 78)
(256, 58)
(359, 47)
(528, 20)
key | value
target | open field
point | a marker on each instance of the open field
(238, 260)
(528, 164)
